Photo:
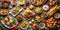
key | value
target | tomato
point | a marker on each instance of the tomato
(59, 23)
(24, 7)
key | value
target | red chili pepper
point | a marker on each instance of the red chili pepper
(15, 28)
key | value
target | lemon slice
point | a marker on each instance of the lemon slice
(21, 2)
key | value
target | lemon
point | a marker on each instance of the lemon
(21, 2)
